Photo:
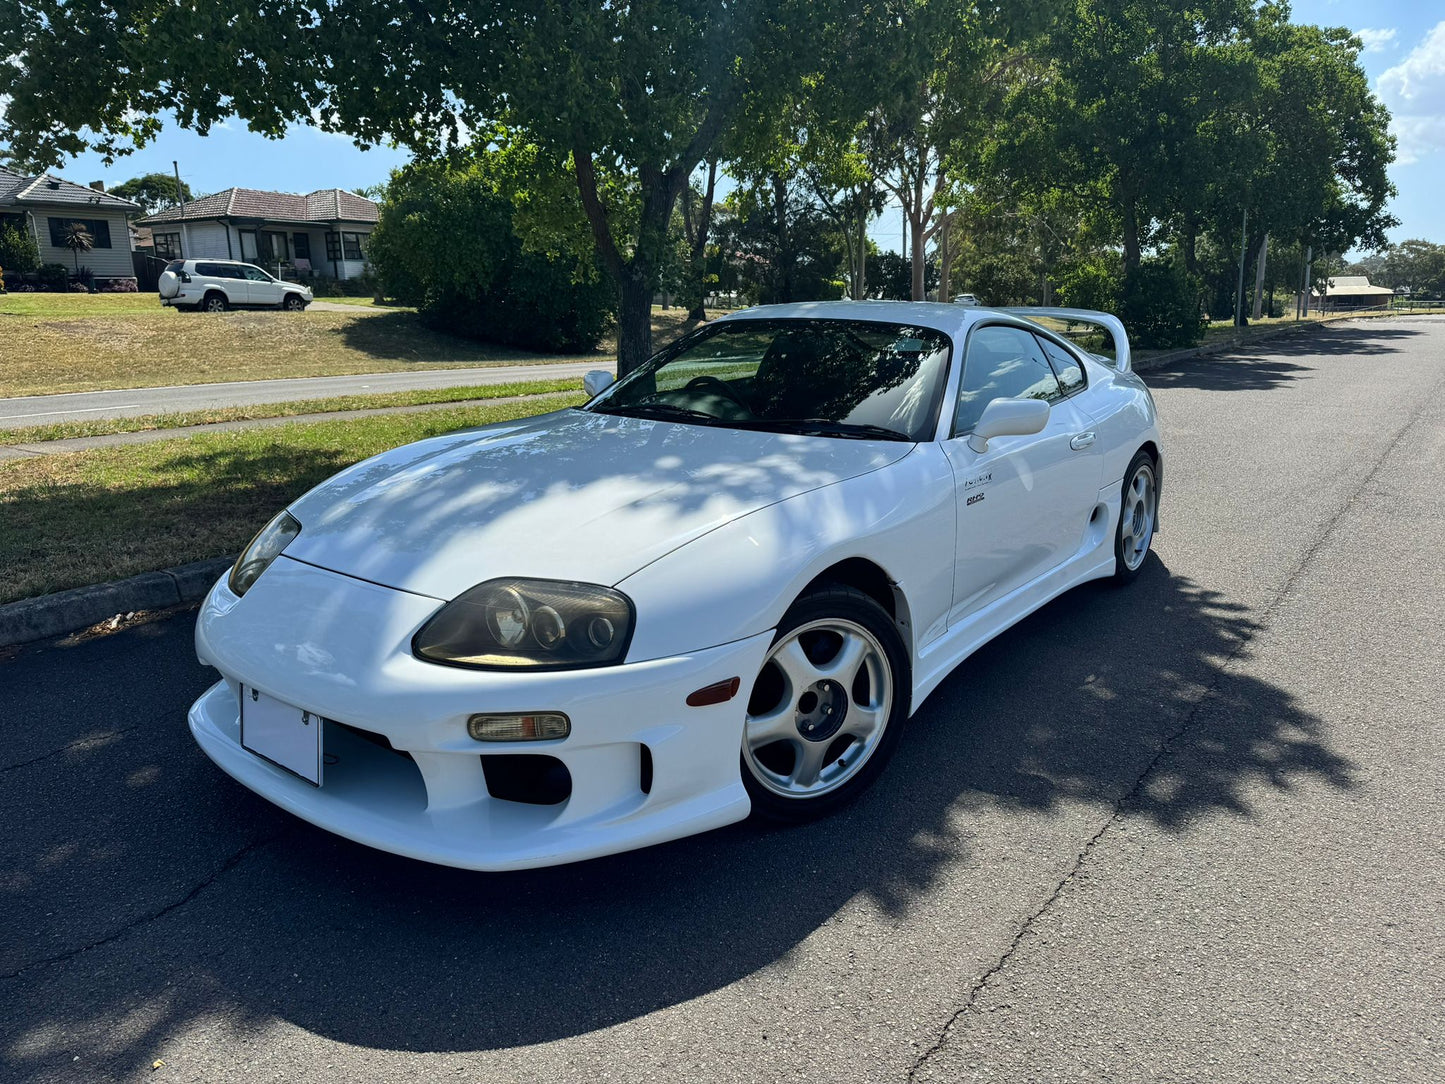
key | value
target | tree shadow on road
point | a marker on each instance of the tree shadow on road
(247, 915)
(1266, 366)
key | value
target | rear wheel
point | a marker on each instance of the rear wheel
(827, 708)
(215, 302)
(1138, 515)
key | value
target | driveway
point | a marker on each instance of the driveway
(1190, 830)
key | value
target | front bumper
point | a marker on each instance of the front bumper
(339, 647)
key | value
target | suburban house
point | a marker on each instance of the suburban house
(46, 205)
(322, 233)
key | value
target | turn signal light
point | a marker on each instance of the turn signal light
(538, 726)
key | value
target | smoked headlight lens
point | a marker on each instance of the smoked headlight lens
(262, 550)
(515, 624)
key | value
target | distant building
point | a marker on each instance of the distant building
(44, 205)
(322, 232)
(1353, 292)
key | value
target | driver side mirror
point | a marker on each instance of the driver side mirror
(597, 381)
(1008, 418)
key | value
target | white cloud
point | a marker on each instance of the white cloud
(1414, 89)
(1377, 41)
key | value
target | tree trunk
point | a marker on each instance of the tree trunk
(1131, 236)
(1259, 276)
(915, 228)
(784, 269)
(699, 242)
(634, 322)
(945, 259)
(1188, 242)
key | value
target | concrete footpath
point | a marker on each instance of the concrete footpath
(138, 402)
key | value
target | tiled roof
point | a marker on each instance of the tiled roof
(326, 205)
(18, 190)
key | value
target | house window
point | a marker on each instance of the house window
(302, 245)
(333, 246)
(167, 245)
(351, 243)
(98, 228)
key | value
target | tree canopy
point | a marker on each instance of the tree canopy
(153, 191)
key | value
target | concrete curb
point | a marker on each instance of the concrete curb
(1143, 365)
(41, 618)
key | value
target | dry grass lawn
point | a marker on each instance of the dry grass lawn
(76, 342)
(89, 517)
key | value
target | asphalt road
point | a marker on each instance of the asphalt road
(1187, 831)
(134, 402)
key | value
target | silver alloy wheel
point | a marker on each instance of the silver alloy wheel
(1136, 518)
(215, 304)
(825, 692)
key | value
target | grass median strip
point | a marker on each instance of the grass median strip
(89, 517)
(102, 427)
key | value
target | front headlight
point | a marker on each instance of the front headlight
(515, 624)
(256, 558)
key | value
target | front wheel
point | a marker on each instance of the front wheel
(293, 303)
(827, 708)
(1138, 515)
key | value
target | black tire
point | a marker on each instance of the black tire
(293, 303)
(214, 302)
(848, 607)
(1129, 555)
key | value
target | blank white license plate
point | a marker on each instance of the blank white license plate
(288, 737)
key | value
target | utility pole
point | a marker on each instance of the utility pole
(1304, 290)
(1239, 287)
(181, 199)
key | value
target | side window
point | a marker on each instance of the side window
(255, 274)
(1001, 363)
(1066, 366)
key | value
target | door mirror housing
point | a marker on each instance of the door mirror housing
(1008, 418)
(597, 381)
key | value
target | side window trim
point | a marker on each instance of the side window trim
(953, 431)
(1052, 340)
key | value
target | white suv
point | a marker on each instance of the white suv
(218, 285)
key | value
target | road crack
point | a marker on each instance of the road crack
(70, 747)
(1122, 805)
(152, 916)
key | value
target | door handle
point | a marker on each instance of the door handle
(1082, 441)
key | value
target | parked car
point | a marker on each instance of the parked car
(719, 587)
(966, 299)
(218, 285)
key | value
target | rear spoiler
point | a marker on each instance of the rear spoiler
(1112, 324)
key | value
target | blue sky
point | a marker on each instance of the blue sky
(1405, 60)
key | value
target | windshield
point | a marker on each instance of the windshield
(835, 378)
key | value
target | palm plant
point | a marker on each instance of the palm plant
(78, 239)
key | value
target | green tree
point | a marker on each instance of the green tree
(78, 239)
(469, 242)
(647, 90)
(153, 191)
(18, 250)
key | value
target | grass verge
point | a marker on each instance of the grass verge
(88, 342)
(102, 427)
(89, 517)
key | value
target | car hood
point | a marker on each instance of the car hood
(568, 496)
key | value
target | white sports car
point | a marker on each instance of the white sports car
(722, 586)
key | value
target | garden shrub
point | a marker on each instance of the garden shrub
(493, 248)
(1161, 306)
(18, 250)
(54, 276)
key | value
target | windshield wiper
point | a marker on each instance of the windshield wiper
(823, 427)
(665, 411)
